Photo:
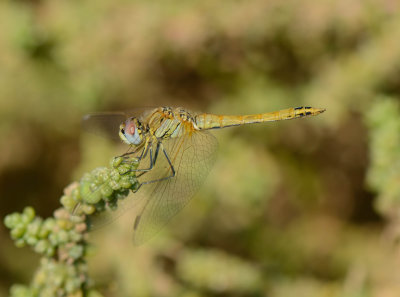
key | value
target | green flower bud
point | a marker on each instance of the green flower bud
(114, 185)
(53, 238)
(43, 233)
(88, 209)
(89, 195)
(104, 176)
(20, 243)
(124, 169)
(18, 231)
(12, 220)
(75, 236)
(65, 224)
(116, 162)
(125, 182)
(50, 251)
(34, 227)
(68, 202)
(114, 175)
(106, 191)
(72, 285)
(49, 224)
(75, 195)
(41, 246)
(31, 240)
(58, 277)
(76, 252)
(29, 213)
(62, 236)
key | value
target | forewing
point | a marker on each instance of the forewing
(104, 124)
(192, 157)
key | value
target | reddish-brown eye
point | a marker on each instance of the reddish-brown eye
(130, 127)
(131, 135)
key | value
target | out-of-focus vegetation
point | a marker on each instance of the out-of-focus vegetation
(62, 240)
(298, 208)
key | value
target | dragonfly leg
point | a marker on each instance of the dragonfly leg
(169, 162)
(126, 156)
(145, 151)
(163, 178)
(143, 148)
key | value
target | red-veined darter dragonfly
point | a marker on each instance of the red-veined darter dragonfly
(175, 152)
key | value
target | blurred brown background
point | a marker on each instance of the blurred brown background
(297, 208)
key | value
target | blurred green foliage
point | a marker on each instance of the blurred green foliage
(303, 208)
(216, 272)
(384, 124)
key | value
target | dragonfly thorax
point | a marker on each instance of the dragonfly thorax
(131, 131)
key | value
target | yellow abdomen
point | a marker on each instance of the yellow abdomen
(212, 121)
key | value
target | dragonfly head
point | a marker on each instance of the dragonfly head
(131, 132)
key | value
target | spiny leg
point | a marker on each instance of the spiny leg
(138, 217)
(128, 153)
(163, 178)
(152, 161)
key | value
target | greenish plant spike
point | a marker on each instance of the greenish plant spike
(62, 240)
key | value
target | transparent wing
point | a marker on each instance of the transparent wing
(192, 157)
(104, 124)
(155, 203)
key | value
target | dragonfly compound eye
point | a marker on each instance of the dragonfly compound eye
(131, 133)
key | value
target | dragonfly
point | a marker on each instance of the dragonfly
(175, 151)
